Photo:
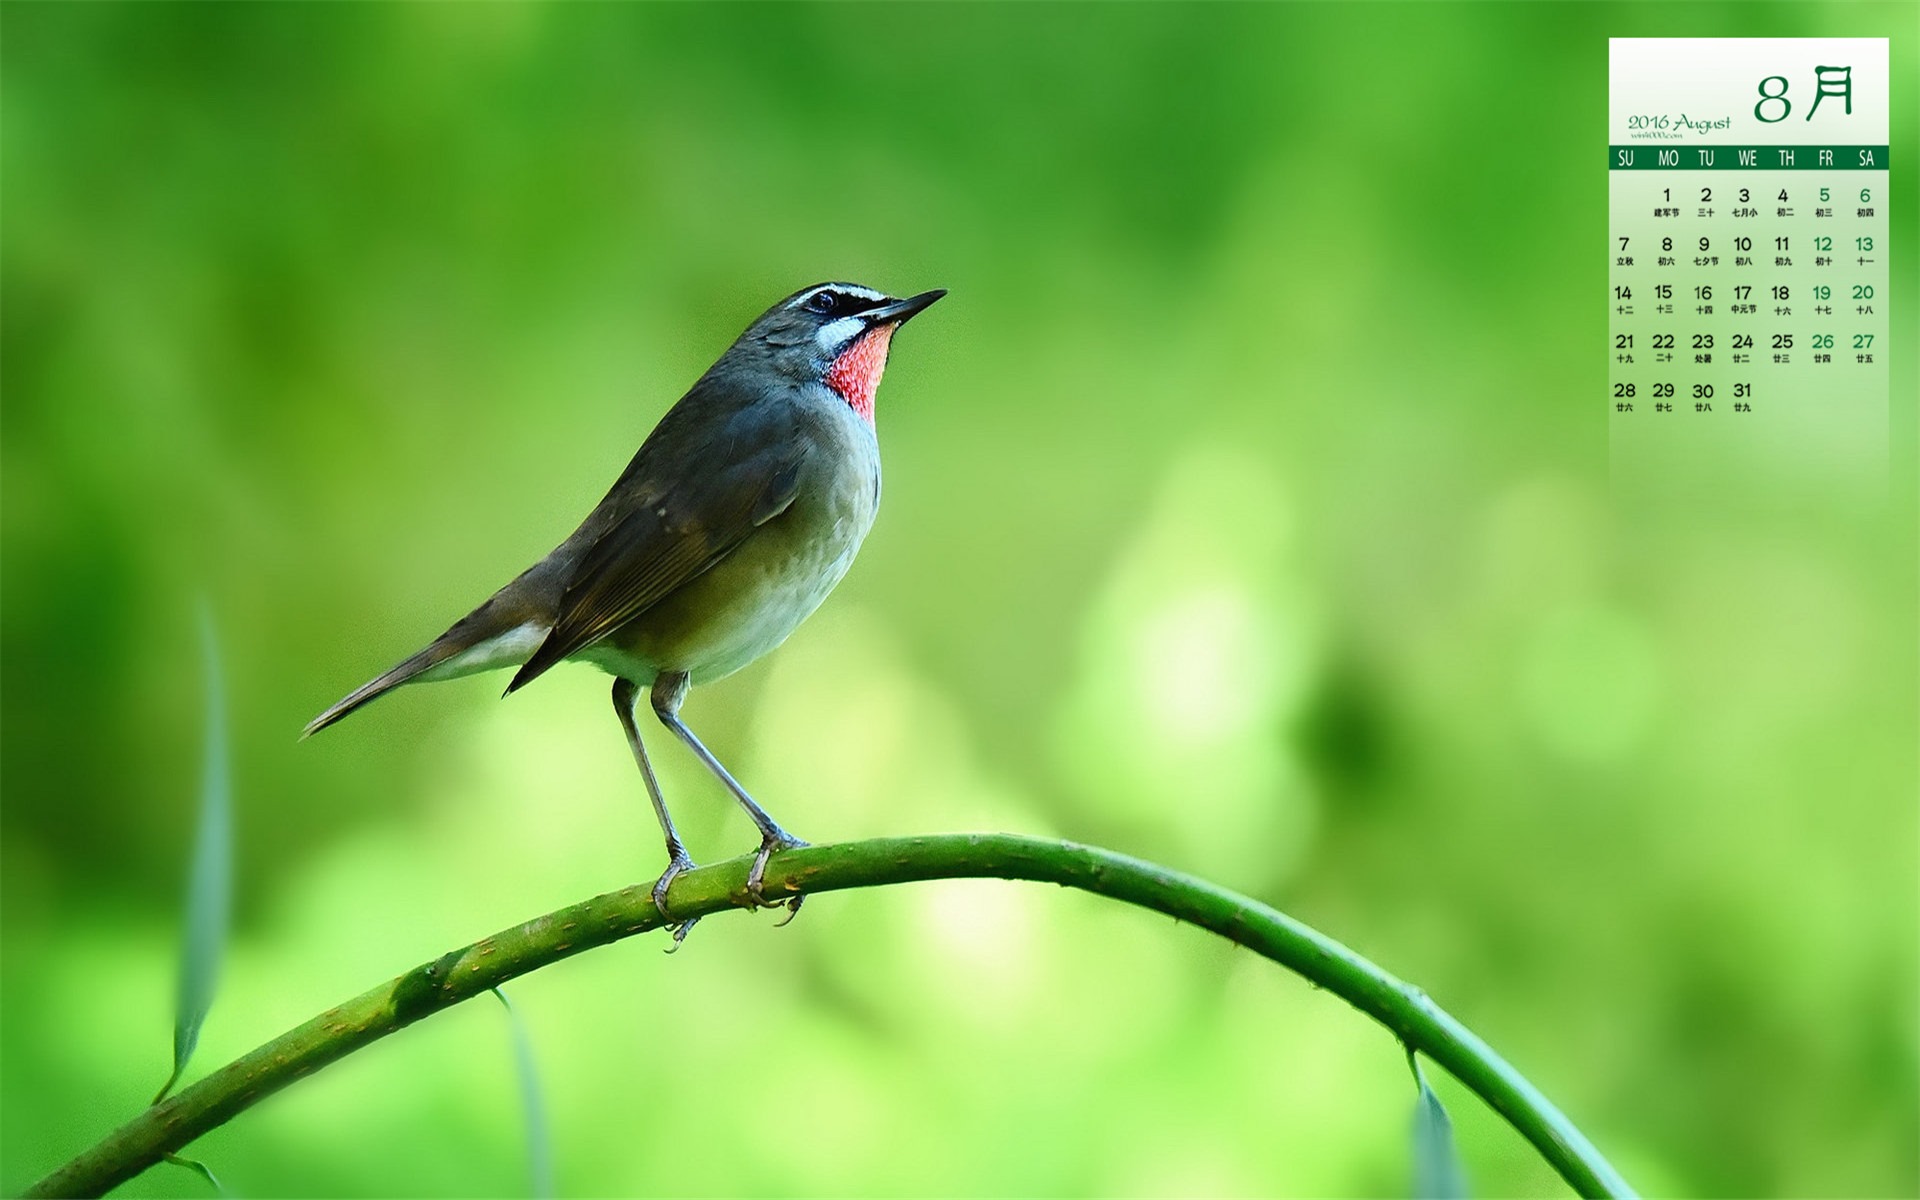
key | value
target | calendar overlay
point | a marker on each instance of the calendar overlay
(1748, 266)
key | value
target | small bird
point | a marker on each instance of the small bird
(739, 513)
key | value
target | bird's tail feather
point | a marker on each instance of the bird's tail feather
(442, 649)
(504, 631)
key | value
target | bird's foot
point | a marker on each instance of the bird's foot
(681, 861)
(757, 877)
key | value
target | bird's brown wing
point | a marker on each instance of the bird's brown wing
(683, 504)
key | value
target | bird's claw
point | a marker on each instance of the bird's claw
(757, 877)
(680, 861)
(680, 931)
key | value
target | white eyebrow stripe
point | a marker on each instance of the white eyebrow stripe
(846, 289)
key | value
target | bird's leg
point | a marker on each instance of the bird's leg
(626, 698)
(668, 692)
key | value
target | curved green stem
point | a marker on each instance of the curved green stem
(1419, 1023)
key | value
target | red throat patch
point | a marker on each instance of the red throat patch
(856, 373)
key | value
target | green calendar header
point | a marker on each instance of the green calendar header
(1654, 157)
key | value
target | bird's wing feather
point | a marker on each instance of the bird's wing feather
(670, 517)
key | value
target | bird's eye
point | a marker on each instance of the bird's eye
(822, 302)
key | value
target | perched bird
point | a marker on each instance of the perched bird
(739, 513)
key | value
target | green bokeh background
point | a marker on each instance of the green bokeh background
(1247, 509)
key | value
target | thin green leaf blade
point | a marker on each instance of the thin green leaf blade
(1437, 1174)
(201, 1169)
(532, 1106)
(210, 876)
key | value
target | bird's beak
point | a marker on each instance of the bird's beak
(899, 312)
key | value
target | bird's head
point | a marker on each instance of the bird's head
(835, 334)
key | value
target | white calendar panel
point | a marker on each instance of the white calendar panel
(1748, 265)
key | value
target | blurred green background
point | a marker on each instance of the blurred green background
(1247, 509)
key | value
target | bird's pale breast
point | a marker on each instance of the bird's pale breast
(751, 600)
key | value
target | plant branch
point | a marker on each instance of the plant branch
(460, 974)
